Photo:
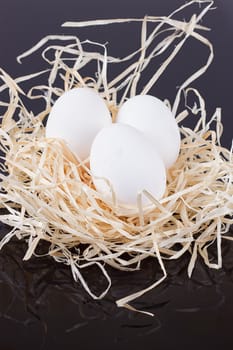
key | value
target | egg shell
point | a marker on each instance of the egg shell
(76, 117)
(128, 160)
(151, 116)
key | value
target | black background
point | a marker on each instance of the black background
(40, 306)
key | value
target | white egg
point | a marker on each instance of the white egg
(129, 162)
(151, 116)
(76, 117)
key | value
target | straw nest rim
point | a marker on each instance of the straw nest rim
(50, 196)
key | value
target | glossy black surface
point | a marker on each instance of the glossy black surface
(41, 307)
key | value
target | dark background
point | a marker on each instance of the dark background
(23, 23)
(40, 306)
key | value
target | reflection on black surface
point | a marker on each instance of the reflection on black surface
(43, 306)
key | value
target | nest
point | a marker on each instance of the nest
(49, 196)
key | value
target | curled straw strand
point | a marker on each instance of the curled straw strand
(50, 196)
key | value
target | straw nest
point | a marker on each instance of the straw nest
(49, 196)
